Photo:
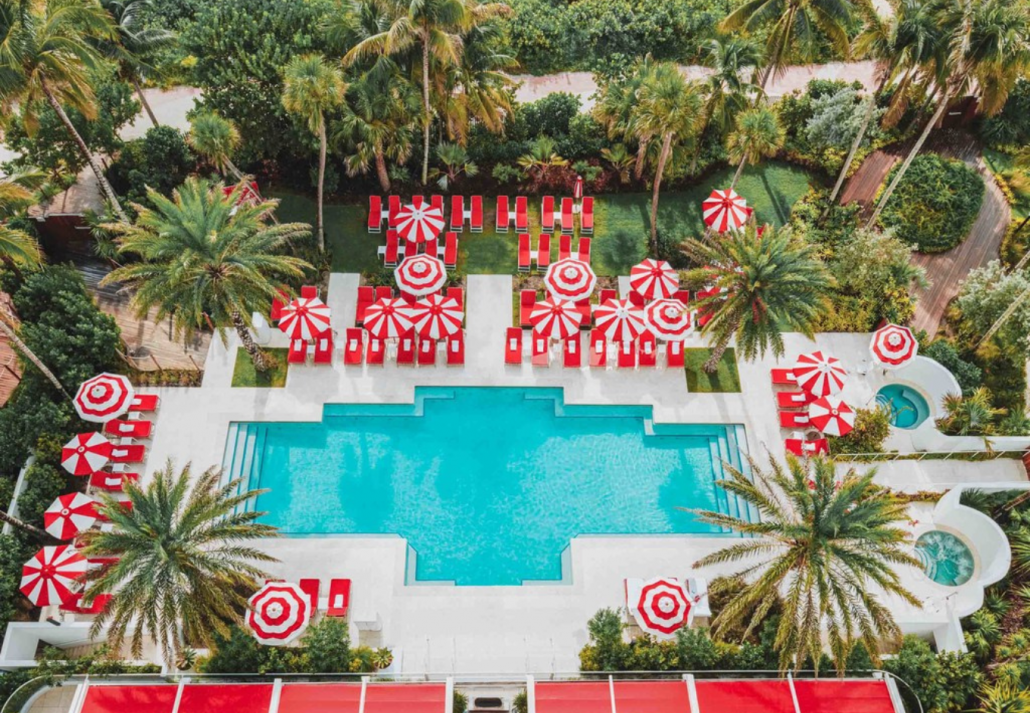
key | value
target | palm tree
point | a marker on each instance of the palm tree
(770, 284)
(312, 87)
(47, 56)
(377, 124)
(215, 139)
(620, 159)
(18, 192)
(206, 256)
(794, 24)
(1004, 697)
(758, 135)
(542, 157)
(135, 41)
(436, 26)
(616, 109)
(819, 548)
(972, 415)
(728, 88)
(668, 108)
(177, 560)
(988, 47)
(456, 163)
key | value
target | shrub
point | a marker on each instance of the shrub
(460, 703)
(872, 427)
(43, 483)
(967, 374)
(935, 203)
(1010, 127)
(160, 160)
(943, 682)
(328, 646)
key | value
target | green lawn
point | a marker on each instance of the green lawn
(244, 375)
(724, 380)
(621, 224)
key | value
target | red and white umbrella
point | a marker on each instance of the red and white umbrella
(555, 319)
(663, 607)
(724, 210)
(70, 515)
(305, 318)
(619, 320)
(86, 453)
(389, 318)
(103, 397)
(420, 223)
(420, 275)
(893, 346)
(51, 576)
(819, 373)
(436, 316)
(654, 279)
(668, 319)
(570, 279)
(278, 613)
(831, 416)
(577, 189)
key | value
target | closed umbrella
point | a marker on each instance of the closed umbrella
(819, 373)
(570, 279)
(419, 223)
(831, 416)
(654, 279)
(436, 316)
(662, 607)
(305, 318)
(52, 575)
(893, 346)
(555, 319)
(420, 275)
(70, 515)
(619, 320)
(278, 613)
(104, 397)
(577, 189)
(668, 319)
(724, 210)
(388, 318)
(86, 453)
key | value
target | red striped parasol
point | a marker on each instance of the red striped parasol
(52, 575)
(893, 346)
(420, 223)
(70, 515)
(668, 319)
(555, 319)
(388, 318)
(420, 275)
(278, 613)
(103, 397)
(819, 374)
(832, 416)
(436, 316)
(654, 279)
(86, 453)
(724, 210)
(577, 189)
(570, 279)
(663, 607)
(619, 320)
(305, 318)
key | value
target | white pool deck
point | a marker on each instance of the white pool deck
(538, 628)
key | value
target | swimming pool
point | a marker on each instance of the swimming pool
(907, 406)
(946, 559)
(488, 485)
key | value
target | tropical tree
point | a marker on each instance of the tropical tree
(769, 285)
(988, 48)
(436, 27)
(311, 88)
(18, 192)
(207, 256)
(616, 109)
(971, 415)
(177, 560)
(668, 109)
(541, 158)
(820, 547)
(215, 139)
(758, 134)
(135, 43)
(620, 159)
(47, 56)
(456, 163)
(728, 88)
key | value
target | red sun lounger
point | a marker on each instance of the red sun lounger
(426, 352)
(450, 251)
(793, 399)
(586, 216)
(524, 261)
(376, 352)
(129, 429)
(310, 587)
(527, 300)
(521, 213)
(794, 419)
(572, 352)
(395, 208)
(457, 213)
(366, 296)
(309, 292)
(503, 216)
(598, 349)
(674, 355)
(476, 221)
(278, 303)
(353, 347)
(131, 453)
(324, 348)
(607, 294)
(102, 510)
(648, 350)
(547, 214)
(433, 247)
(456, 349)
(566, 215)
(391, 252)
(564, 247)
(145, 403)
(298, 353)
(437, 203)
(112, 482)
(375, 214)
(406, 348)
(627, 355)
(74, 604)
(784, 377)
(458, 295)
(543, 251)
(339, 598)
(384, 292)
(541, 351)
(513, 346)
(584, 250)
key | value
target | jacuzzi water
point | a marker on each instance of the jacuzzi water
(946, 558)
(907, 407)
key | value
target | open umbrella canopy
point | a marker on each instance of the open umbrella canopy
(278, 613)
(819, 373)
(52, 575)
(662, 607)
(668, 319)
(654, 279)
(831, 416)
(570, 279)
(420, 275)
(724, 210)
(555, 319)
(305, 318)
(893, 346)
(104, 397)
(619, 320)
(86, 453)
(436, 316)
(420, 223)
(70, 515)
(388, 318)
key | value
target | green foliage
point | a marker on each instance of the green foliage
(972, 415)
(460, 703)
(325, 648)
(943, 682)
(520, 703)
(934, 204)
(13, 554)
(1010, 127)
(160, 160)
(967, 374)
(986, 294)
(43, 483)
(872, 427)
(327, 645)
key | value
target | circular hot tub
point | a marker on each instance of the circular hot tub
(945, 557)
(906, 406)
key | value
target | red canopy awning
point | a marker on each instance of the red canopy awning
(576, 697)
(651, 696)
(138, 699)
(222, 698)
(843, 697)
(406, 698)
(750, 696)
(320, 698)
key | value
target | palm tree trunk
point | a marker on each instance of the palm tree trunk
(711, 365)
(94, 164)
(428, 118)
(143, 101)
(321, 184)
(257, 357)
(870, 110)
(709, 112)
(384, 175)
(233, 169)
(662, 158)
(774, 61)
(30, 355)
(638, 167)
(740, 170)
(945, 98)
(22, 525)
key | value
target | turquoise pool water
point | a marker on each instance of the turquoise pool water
(907, 406)
(946, 559)
(488, 485)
